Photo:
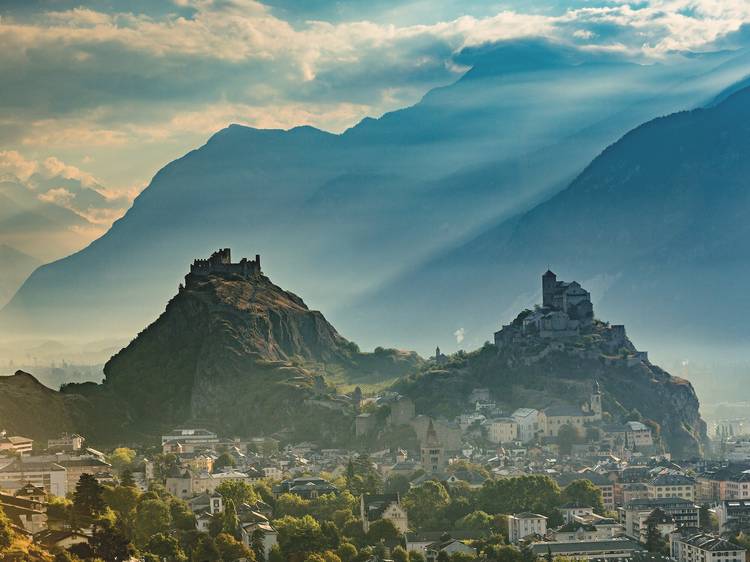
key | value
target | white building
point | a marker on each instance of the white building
(703, 547)
(530, 422)
(373, 507)
(672, 486)
(15, 443)
(522, 525)
(48, 475)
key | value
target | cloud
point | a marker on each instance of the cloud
(459, 335)
(14, 164)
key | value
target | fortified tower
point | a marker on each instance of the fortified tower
(221, 262)
(432, 452)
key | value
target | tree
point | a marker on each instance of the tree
(415, 556)
(476, 521)
(655, 542)
(535, 493)
(122, 458)
(152, 517)
(127, 479)
(231, 549)
(87, 499)
(230, 521)
(399, 554)
(257, 543)
(205, 550)
(166, 547)
(584, 493)
(397, 484)
(382, 530)
(347, 552)
(298, 535)
(275, 555)
(182, 518)
(567, 436)
(362, 477)
(109, 544)
(123, 501)
(225, 460)
(6, 532)
(238, 491)
(425, 501)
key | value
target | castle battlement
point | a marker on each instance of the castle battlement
(221, 262)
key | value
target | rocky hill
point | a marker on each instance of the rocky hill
(234, 352)
(527, 370)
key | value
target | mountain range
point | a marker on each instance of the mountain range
(342, 216)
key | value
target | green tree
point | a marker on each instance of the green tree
(382, 530)
(230, 521)
(476, 521)
(122, 458)
(127, 479)
(275, 555)
(109, 544)
(205, 550)
(231, 549)
(182, 518)
(424, 502)
(166, 548)
(398, 484)
(347, 552)
(6, 531)
(399, 554)
(257, 543)
(585, 493)
(237, 491)
(298, 535)
(536, 493)
(225, 460)
(151, 518)
(122, 500)
(362, 477)
(567, 436)
(87, 500)
(415, 556)
(655, 542)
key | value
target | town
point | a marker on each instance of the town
(565, 481)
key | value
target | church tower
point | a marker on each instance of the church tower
(432, 452)
(596, 400)
(549, 283)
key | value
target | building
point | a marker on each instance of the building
(616, 549)
(432, 453)
(733, 513)
(254, 524)
(15, 444)
(402, 410)
(306, 487)
(522, 525)
(531, 423)
(364, 424)
(373, 507)
(634, 514)
(450, 547)
(728, 483)
(570, 511)
(671, 486)
(70, 442)
(43, 474)
(29, 515)
(221, 262)
(189, 439)
(659, 519)
(502, 430)
(702, 547)
(637, 435)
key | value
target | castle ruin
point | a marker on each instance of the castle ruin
(221, 262)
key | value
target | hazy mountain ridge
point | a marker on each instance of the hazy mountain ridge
(656, 222)
(355, 210)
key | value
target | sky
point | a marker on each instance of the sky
(97, 96)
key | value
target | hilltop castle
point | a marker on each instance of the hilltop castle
(566, 308)
(221, 262)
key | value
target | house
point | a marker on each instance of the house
(637, 435)
(15, 444)
(60, 540)
(616, 549)
(671, 486)
(450, 547)
(373, 507)
(29, 515)
(66, 442)
(733, 513)
(634, 514)
(306, 487)
(255, 526)
(191, 436)
(702, 547)
(565, 415)
(470, 477)
(570, 510)
(522, 525)
(43, 474)
(205, 506)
